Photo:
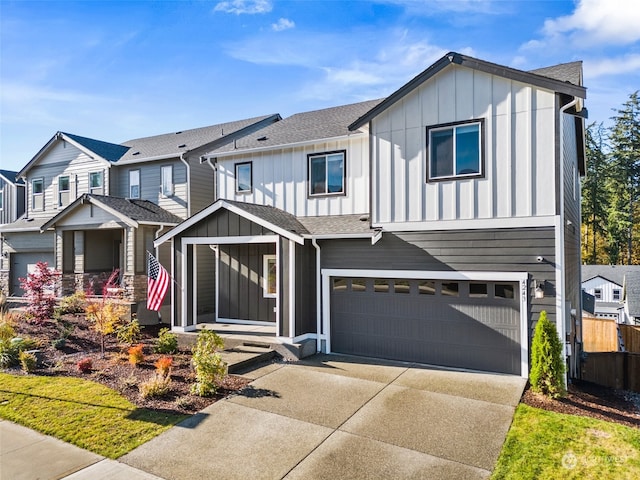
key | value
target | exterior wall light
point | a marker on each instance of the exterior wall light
(539, 290)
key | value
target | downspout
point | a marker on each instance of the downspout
(186, 163)
(561, 226)
(314, 242)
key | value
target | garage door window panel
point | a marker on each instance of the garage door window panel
(402, 286)
(427, 287)
(450, 289)
(504, 290)
(358, 284)
(478, 290)
(381, 285)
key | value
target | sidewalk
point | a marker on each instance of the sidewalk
(29, 455)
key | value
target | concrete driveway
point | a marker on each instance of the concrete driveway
(333, 417)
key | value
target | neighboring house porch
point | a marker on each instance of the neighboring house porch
(97, 234)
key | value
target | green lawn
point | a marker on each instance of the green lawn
(548, 445)
(80, 412)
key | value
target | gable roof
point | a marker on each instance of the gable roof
(174, 144)
(104, 151)
(450, 58)
(133, 212)
(565, 72)
(300, 128)
(612, 273)
(11, 177)
(632, 293)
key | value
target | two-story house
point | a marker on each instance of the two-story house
(94, 207)
(432, 226)
(611, 287)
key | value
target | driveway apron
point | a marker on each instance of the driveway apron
(332, 417)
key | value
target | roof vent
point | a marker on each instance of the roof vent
(364, 218)
(178, 133)
(135, 153)
(262, 139)
(182, 145)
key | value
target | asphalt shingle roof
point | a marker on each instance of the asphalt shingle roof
(10, 175)
(337, 224)
(303, 127)
(274, 216)
(109, 151)
(632, 292)
(136, 209)
(24, 224)
(565, 72)
(613, 273)
(183, 141)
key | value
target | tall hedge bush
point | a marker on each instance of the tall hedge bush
(547, 365)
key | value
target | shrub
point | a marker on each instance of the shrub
(39, 289)
(106, 313)
(547, 365)
(156, 386)
(129, 332)
(10, 345)
(130, 381)
(167, 342)
(59, 343)
(136, 355)
(163, 366)
(185, 402)
(207, 363)
(74, 303)
(85, 365)
(28, 361)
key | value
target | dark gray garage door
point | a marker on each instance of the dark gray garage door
(473, 325)
(21, 264)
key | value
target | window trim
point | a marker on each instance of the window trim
(265, 275)
(60, 191)
(33, 194)
(1, 199)
(163, 168)
(235, 168)
(453, 125)
(616, 292)
(101, 173)
(597, 293)
(138, 185)
(344, 174)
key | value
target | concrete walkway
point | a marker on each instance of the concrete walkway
(327, 417)
(335, 417)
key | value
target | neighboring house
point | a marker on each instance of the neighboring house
(415, 228)
(607, 284)
(94, 206)
(632, 298)
(11, 197)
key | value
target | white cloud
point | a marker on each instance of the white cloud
(239, 7)
(614, 22)
(612, 66)
(283, 24)
(432, 7)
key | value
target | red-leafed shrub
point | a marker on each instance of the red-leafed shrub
(85, 365)
(39, 288)
(163, 366)
(136, 355)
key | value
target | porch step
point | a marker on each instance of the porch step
(243, 357)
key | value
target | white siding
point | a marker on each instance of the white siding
(519, 173)
(63, 159)
(280, 179)
(605, 286)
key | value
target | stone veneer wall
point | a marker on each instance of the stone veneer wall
(134, 287)
(4, 281)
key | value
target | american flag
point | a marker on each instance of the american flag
(157, 283)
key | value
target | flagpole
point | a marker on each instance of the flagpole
(170, 276)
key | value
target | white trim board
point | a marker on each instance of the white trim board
(467, 224)
(521, 277)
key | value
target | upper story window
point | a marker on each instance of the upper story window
(597, 293)
(37, 193)
(134, 183)
(617, 294)
(64, 190)
(166, 180)
(96, 183)
(244, 177)
(1, 198)
(326, 173)
(455, 150)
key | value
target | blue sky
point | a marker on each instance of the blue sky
(120, 70)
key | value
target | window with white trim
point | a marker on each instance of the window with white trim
(37, 193)
(244, 177)
(598, 293)
(166, 180)
(455, 150)
(270, 277)
(134, 183)
(327, 173)
(64, 190)
(617, 294)
(96, 183)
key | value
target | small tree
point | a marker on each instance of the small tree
(106, 312)
(207, 363)
(39, 288)
(547, 365)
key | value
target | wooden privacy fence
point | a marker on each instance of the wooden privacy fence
(631, 338)
(599, 335)
(619, 370)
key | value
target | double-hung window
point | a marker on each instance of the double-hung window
(455, 150)
(37, 193)
(244, 177)
(166, 180)
(617, 294)
(64, 189)
(96, 183)
(327, 173)
(134, 183)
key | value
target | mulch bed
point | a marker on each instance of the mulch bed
(115, 371)
(590, 400)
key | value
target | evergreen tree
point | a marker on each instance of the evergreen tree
(547, 365)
